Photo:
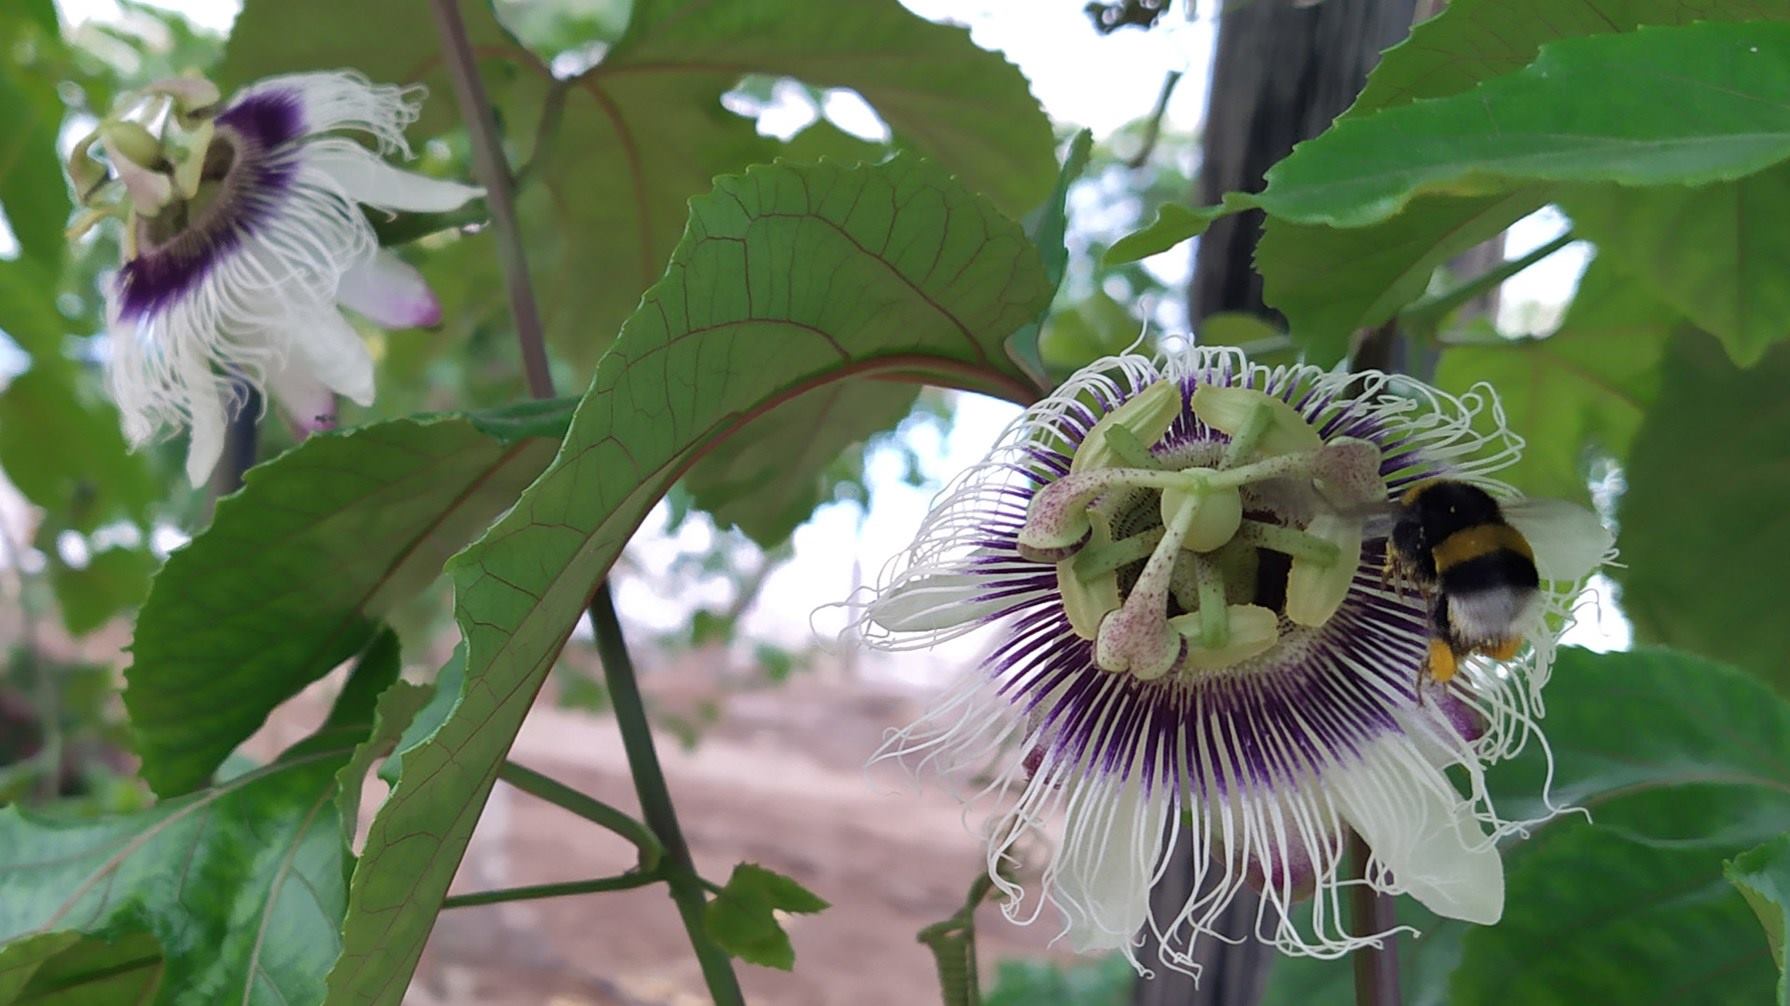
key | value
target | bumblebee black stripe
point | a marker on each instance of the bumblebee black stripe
(1503, 569)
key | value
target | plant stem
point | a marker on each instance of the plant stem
(494, 171)
(1376, 968)
(618, 668)
(655, 801)
(953, 946)
(1424, 316)
(588, 807)
(625, 882)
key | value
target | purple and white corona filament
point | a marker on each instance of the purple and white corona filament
(243, 234)
(1195, 635)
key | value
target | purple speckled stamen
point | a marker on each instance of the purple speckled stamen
(257, 127)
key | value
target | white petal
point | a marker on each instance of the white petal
(1421, 830)
(346, 101)
(335, 354)
(304, 399)
(389, 291)
(1112, 843)
(205, 409)
(1568, 540)
(367, 179)
(928, 603)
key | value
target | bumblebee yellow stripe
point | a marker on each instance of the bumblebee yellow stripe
(1482, 539)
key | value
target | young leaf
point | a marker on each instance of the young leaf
(742, 919)
(295, 568)
(1762, 876)
(1708, 474)
(1047, 228)
(748, 315)
(242, 886)
(1584, 388)
(1174, 224)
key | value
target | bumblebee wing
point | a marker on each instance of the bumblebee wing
(1568, 540)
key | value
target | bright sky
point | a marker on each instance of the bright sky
(1083, 79)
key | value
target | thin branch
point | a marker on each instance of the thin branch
(625, 882)
(1153, 129)
(655, 800)
(1426, 315)
(494, 171)
(588, 807)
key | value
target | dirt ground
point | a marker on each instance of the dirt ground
(777, 780)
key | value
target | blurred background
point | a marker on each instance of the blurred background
(738, 614)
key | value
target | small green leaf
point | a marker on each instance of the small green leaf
(1046, 229)
(1106, 982)
(1174, 224)
(1579, 393)
(1698, 104)
(1762, 875)
(1708, 474)
(1086, 330)
(111, 582)
(296, 567)
(1702, 251)
(741, 918)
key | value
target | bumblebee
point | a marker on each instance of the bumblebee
(1481, 574)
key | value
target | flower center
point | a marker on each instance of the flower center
(1190, 555)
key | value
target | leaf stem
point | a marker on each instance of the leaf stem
(588, 807)
(624, 882)
(494, 171)
(618, 668)
(1427, 314)
(655, 800)
(1376, 968)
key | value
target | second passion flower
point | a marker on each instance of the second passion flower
(1199, 633)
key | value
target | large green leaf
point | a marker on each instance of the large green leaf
(32, 194)
(68, 969)
(1762, 876)
(1578, 393)
(1703, 517)
(241, 887)
(1476, 40)
(296, 567)
(1700, 103)
(1331, 282)
(1713, 253)
(643, 131)
(788, 278)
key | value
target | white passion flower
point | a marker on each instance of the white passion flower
(243, 232)
(1197, 633)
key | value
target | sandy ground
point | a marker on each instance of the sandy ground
(778, 780)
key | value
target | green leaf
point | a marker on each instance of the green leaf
(1086, 330)
(1703, 251)
(740, 919)
(747, 315)
(785, 464)
(1578, 393)
(112, 581)
(241, 886)
(296, 568)
(1708, 474)
(1762, 876)
(1475, 40)
(1047, 229)
(68, 969)
(1698, 104)
(644, 131)
(1681, 762)
(1174, 224)
(1331, 282)
(33, 196)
